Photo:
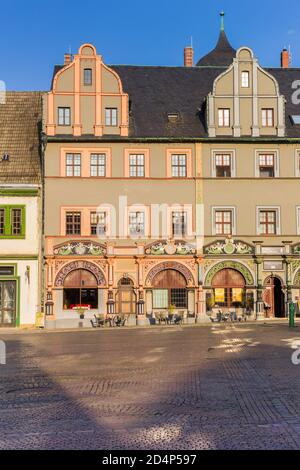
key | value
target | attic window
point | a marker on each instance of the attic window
(173, 117)
(296, 120)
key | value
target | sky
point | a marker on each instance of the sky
(35, 35)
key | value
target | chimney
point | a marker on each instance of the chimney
(285, 59)
(188, 56)
(68, 58)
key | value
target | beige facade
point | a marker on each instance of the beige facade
(190, 224)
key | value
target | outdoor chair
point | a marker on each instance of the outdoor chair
(100, 319)
(120, 320)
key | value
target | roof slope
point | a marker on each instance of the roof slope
(20, 130)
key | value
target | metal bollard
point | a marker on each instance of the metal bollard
(291, 315)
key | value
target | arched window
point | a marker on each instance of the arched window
(169, 288)
(80, 288)
(229, 288)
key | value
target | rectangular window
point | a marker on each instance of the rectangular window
(16, 221)
(87, 77)
(98, 223)
(179, 166)
(267, 117)
(267, 222)
(160, 298)
(223, 165)
(267, 165)
(73, 164)
(12, 221)
(179, 223)
(64, 116)
(179, 298)
(98, 164)
(136, 223)
(73, 223)
(2, 221)
(137, 166)
(223, 222)
(110, 116)
(224, 117)
(245, 79)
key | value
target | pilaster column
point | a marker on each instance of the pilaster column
(260, 313)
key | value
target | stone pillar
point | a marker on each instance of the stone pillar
(201, 316)
(288, 283)
(260, 311)
(142, 320)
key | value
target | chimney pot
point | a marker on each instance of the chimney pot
(68, 58)
(188, 56)
(285, 59)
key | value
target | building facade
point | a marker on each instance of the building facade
(171, 186)
(20, 209)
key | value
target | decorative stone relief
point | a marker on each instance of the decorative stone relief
(229, 264)
(170, 248)
(80, 249)
(229, 247)
(59, 281)
(170, 265)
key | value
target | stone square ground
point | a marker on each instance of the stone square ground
(207, 387)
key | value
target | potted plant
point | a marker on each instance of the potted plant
(81, 312)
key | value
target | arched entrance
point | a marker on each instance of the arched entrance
(125, 298)
(229, 288)
(80, 288)
(169, 287)
(274, 298)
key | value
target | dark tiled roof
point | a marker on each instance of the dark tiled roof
(156, 91)
(20, 130)
(221, 56)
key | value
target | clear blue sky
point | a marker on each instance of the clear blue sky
(35, 35)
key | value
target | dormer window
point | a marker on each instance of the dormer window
(110, 116)
(224, 117)
(267, 117)
(245, 79)
(87, 77)
(64, 116)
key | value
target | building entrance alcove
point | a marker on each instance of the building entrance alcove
(274, 297)
(126, 297)
(8, 303)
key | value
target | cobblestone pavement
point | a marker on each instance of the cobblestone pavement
(214, 387)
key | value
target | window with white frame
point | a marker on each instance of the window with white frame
(268, 221)
(137, 165)
(223, 165)
(224, 117)
(73, 164)
(267, 117)
(98, 223)
(64, 116)
(136, 223)
(111, 116)
(266, 163)
(98, 164)
(223, 221)
(245, 79)
(297, 163)
(179, 165)
(179, 223)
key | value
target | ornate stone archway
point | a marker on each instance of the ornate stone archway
(184, 270)
(88, 265)
(231, 265)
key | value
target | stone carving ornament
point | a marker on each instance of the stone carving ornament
(80, 249)
(170, 248)
(233, 265)
(62, 274)
(229, 247)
